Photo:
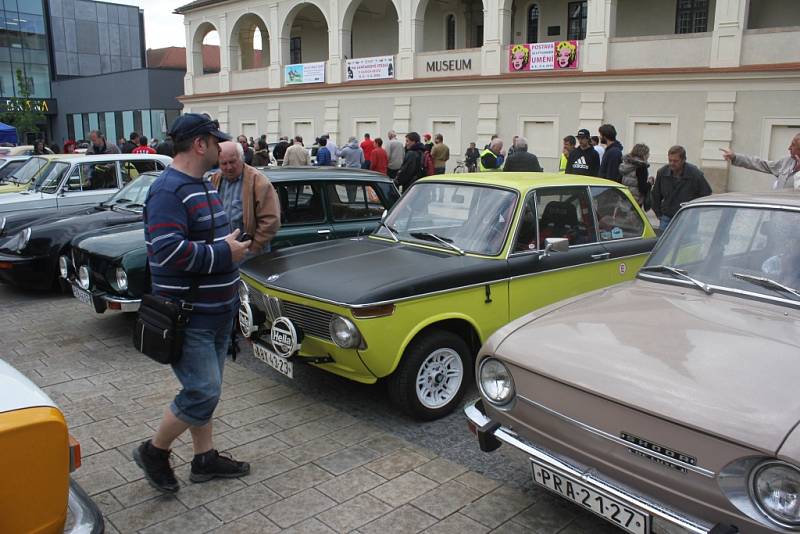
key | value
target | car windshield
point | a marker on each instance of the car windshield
(8, 169)
(25, 173)
(48, 180)
(736, 248)
(134, 194)
(459, 217)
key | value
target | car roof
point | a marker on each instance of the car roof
(787, 197)
(82, 158)
(282, 174)
(522, 181)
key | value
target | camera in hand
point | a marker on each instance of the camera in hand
(245, 237)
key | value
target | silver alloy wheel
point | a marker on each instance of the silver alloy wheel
(439, 378)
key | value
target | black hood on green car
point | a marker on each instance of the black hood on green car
(365, 270)
(112, 242)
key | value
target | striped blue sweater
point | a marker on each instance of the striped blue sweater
(177, 219)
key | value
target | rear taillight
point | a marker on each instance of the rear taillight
(74, 454)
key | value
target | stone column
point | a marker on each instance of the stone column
(730, 21)
(223, 118)
(273, 120)
(278, 48)
(601, 24)
(496, 24)
(488, 114)
(188, 79)
(718, 133)
(336, 47)
(224, 56)
(410, 39)
(591, 112)
(331, 125)
(402, 116)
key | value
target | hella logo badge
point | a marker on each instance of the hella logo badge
(273, 277)
(284, 336)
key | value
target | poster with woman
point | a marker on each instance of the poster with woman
(566, 55)
(519, 58)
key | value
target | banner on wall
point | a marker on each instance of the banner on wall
(559, 55)
(370, 68)
(305, 73)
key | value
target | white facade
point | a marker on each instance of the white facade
(737, 84)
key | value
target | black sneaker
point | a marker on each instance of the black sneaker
(212, 464)
(157, 469)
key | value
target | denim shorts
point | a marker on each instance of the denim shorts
(200, 373)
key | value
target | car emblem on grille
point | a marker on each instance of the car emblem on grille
(246, 323)
(667, 457)
(273, 277)
(284, 337)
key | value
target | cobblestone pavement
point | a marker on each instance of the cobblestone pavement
(327, 455)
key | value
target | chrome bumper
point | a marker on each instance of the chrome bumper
(86, 517)
(491, 435)
(103, 301)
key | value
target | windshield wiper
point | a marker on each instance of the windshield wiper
(443, 240)
(391, 230)
(766, 282)
(679, 272)
(121, 200)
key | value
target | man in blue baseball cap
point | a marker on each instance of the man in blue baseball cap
(194, 259)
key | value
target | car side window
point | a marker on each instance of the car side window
(94, 176)
(616, 216)
(300, 203)
(565, 212)
(526, 230)
(132, 169)
(354, 201)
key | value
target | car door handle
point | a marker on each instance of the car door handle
(323, 231)
(603, 256)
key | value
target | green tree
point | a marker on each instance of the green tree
(25, 118)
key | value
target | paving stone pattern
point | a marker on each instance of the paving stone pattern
(315, 468)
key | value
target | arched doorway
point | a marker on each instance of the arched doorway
(205, 50)
(249, 46)
(306, 30)
(373, 27)
(450, 23)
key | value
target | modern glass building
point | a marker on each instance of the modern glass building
(24, 47)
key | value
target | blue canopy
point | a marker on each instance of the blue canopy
(8, 134)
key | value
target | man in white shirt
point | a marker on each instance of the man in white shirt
(785, 170)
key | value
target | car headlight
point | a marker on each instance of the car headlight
(63, 266)
(122, 279)
(495, 381)
(776, 491)
(83, 277)
(20, 240)
(344, 333)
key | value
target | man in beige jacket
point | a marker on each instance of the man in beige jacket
(247, 197)
(296, 155)
(785, 170)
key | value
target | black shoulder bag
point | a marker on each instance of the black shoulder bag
(159, 329)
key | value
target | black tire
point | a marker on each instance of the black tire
(403, 388)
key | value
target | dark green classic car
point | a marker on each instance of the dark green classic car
(108, 269)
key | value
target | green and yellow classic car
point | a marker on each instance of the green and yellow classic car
(455, 259)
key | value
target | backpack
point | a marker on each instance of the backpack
(427, 168)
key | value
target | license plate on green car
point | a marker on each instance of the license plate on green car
(281, 365)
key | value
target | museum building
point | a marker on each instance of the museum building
(702, 73)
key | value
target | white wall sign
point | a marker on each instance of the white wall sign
(370, 68)
(543, 56)
(305, 73)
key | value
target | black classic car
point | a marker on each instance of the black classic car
(30, 256)
(108, 267)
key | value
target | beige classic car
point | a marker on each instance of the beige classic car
(669, 403)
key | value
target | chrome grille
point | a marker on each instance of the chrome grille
(312, 321)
